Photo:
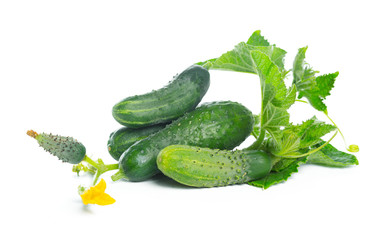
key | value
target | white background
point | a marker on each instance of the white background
(64, 64)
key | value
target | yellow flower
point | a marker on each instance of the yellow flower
(97, 195)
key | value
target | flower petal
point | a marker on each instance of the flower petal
(97, 195)
(104, 199)
(101, 186)
(87, 197)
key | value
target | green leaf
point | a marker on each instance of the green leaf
(277, 55)
(317, 95)
(239, 59)
(315, 89)
(325, 83)
(257, 40)
(294, 139)
(273, 118)
(299, 68)
(331, 157)
(312, 130)
(276, 98)
(285, 144)
(276, 177)
(207, 64)
(282, 164)
(271, 80)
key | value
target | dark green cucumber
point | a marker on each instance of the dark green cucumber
(204, 167)
(66, 149)
(222, 125)
(181, 95)
(121, 139)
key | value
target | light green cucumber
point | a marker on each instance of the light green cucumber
(204, 167)
(66, 149)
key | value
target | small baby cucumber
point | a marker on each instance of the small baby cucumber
(66, 149)
(222, 125)
(181, 95)
(204, 167)
(121, 139)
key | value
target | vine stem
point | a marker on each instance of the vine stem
(258, 141)
(261, 137)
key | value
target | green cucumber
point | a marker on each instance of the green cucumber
(222, 125)
(121, 139)
(66, 149)
(204, 167)
(181, 95)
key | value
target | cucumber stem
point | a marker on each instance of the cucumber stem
(118, 175)
(100, 166)
(95, 179)
(90, 161)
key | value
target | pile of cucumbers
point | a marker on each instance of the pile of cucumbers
(164, 131)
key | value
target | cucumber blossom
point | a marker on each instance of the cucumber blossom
(181, 95)
(66, 149)
(204, 167)
(121, 139)
(222, 125)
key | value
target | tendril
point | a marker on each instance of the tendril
(350, 148)
(353, 148)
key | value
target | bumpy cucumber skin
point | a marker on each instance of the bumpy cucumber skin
(121, 139)
(181, 95)
(222, 125)
(66, 149)
(204, 167)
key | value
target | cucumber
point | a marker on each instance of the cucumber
(222, 125)
(66, 149)
(181, 95)
(121, 139)
(204, 167)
